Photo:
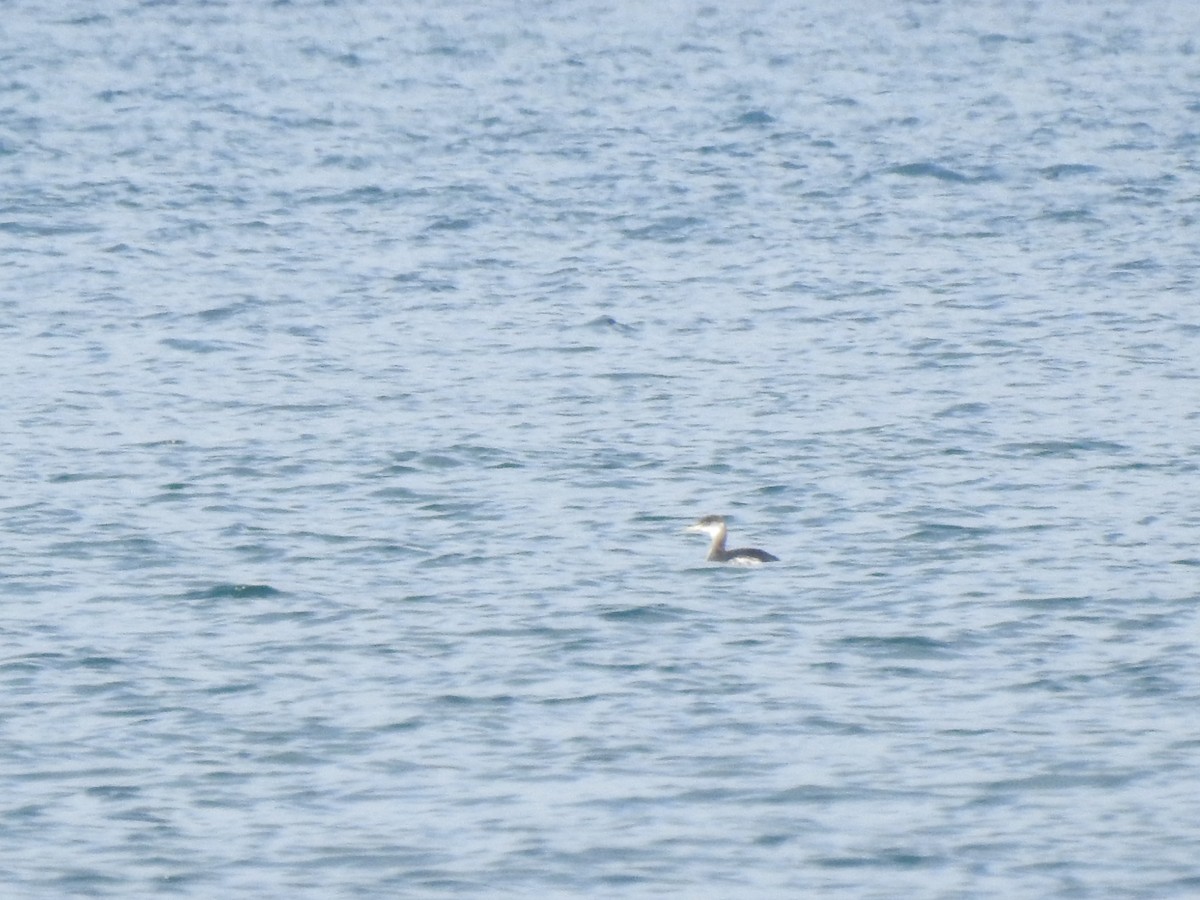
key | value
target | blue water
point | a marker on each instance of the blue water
(363, 363)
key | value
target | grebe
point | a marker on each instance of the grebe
(714, 527)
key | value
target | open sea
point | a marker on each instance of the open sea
(363, 362)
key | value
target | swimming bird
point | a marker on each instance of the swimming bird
(714, 527)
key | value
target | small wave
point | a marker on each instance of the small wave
(903, 646)
(940, 173)
(233, 591)
(1064, 448)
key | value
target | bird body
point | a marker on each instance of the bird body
(714, 527)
